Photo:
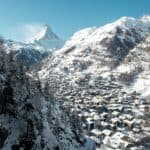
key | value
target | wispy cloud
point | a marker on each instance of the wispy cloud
(31, 30)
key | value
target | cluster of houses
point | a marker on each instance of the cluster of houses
(118, 126)
(111, 117)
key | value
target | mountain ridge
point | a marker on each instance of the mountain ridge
(45, 43)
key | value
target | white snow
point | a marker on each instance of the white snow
(143, 86)
(91, 36)
(47, 39)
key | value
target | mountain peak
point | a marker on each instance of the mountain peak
(45, 33)
(47, 39)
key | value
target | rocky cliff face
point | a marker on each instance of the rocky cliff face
(30, 115)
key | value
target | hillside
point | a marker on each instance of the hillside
(107, 76)
(30, 116)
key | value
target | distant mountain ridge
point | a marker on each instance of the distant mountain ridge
(37, 48)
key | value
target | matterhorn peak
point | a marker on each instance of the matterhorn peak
(45, 33)
(47, 39)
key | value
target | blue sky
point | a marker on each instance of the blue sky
(64, 16)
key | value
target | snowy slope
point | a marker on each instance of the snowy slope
(104, 77)
(24, 53)
(30, 117)
(94, 35)
(101, 51)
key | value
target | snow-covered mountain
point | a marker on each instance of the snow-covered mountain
(46, 39)
(102, 50)
(98, 84)
(25, 53)
(33, 51)
(30, 116)
(105, 78)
